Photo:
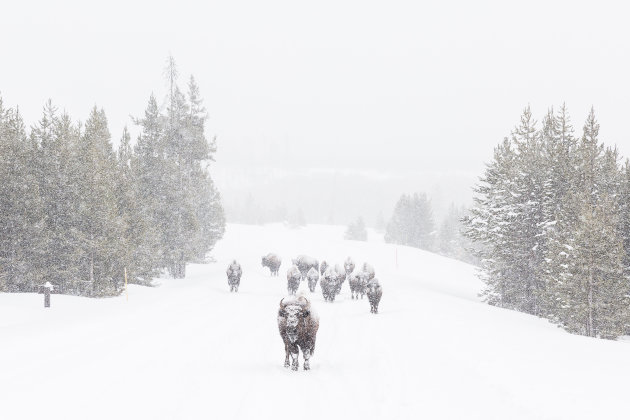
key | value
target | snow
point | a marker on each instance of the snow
(191, 349)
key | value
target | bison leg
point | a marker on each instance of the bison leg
(296, 363)
(307, 357)
(286, 359)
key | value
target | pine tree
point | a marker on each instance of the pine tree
(20, 207)
(102, 259)
(591, 292)
(139, 240)
(356, 231)
(491, 226)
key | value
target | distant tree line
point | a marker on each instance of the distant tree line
(552, 221)
(412, 224)
(77, 213)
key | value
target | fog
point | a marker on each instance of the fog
(332, 107)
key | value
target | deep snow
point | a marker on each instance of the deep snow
(191, 349)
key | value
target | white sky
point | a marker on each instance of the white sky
(380, 87)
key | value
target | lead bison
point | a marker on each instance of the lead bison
(313, 277)
(293, 279)
(374, 292)
(305, 263)
(298, 326)
(234, 273)
(273, 262)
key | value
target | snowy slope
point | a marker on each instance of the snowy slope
(190, 349)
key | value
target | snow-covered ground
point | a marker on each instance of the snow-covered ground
(191, 349)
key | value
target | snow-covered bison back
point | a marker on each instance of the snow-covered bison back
(305, 263)
(273, 262)
(298, 326)
(234, 273)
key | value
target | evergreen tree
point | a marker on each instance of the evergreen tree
(20, 207)
(450, 241)
(591, 291)
(356, 231)
(412, 222)
(102, 258)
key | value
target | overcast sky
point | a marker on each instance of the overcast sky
(422, 89)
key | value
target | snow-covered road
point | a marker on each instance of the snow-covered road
(191, 349)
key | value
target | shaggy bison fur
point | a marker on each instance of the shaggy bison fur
(313, 277)
(293, 279)
(329, 284)
(348, 265)
(305, 263)
(298, 326)
(273, 262)
(234, 273)
(374, 292)
(358, 283)
(322, 268)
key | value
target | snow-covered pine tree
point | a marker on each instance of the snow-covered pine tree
(171, 170)
(356, 230)
(624, 218)
(204, 196)
(397, 230)
(422, 225)
(57, 140)
(139, 240)
(102, 258)
(591, 291)
(450, 240)
(491, 226)
(20, 206)
(531, 191)
(412, 222)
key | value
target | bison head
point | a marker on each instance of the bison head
(294, 311)
(264, 260)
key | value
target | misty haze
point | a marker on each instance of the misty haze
(381, 210)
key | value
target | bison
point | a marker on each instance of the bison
(305, 263)
(293, 279)
(348, 265)
(322, 268)
(341, 277)
(368, 270)
(357, 283)
(329, 284)
(273, 262)
(298, 325)
(374, 293)
(234, 273)
(313, 277)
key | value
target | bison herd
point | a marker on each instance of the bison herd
(297, 322)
